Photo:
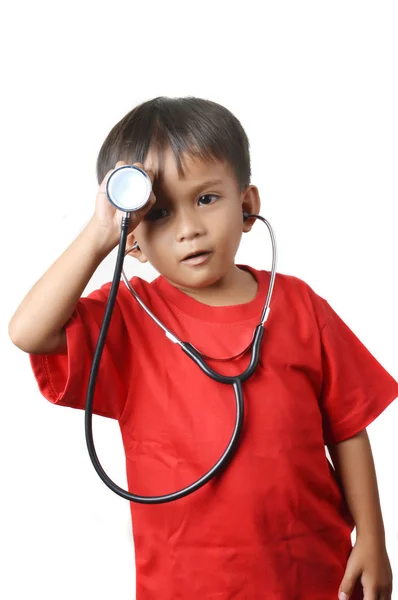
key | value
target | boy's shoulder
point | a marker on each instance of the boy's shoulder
(297, 296)
(292, 284)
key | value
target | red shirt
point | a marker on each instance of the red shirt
(274, 525)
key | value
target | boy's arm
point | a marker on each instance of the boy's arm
(37, 327)
(368, 561)
(353, 461)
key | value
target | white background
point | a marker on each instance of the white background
(315, 86)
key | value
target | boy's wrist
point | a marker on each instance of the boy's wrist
(373, 536)
(99, 238)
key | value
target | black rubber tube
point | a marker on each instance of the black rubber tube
(234, 381)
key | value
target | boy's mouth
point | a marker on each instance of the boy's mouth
(197, 257)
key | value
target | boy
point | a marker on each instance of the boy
(277, 523)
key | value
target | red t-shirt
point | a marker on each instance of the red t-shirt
(274, 525)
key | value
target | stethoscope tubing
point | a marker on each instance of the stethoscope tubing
(236, 381)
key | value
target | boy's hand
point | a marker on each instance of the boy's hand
(372, 564)
(108, 217)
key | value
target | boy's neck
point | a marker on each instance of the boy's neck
(237, 287)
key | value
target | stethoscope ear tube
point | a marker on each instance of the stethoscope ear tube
(234, 381)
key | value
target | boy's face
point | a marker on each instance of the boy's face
(201, 211)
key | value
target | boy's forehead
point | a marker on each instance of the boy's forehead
(195, 168)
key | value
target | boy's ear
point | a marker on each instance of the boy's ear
(250, 204)
(135, 250)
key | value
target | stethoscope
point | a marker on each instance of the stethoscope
(128, 188)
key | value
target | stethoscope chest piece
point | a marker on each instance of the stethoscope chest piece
(128, 188)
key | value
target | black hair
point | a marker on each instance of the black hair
(189, 125)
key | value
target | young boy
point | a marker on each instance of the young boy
(277, 523)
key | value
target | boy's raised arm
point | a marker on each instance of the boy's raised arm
(37, 327)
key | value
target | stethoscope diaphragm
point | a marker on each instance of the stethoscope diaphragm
(128, 188)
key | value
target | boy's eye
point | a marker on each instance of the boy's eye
(155, 214)
(208, 196)
(160, 213)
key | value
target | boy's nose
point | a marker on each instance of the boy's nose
(188, 224)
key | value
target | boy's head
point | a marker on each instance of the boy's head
(199, 155)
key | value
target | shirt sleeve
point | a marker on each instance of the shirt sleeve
(355, 386)
(63, 378)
